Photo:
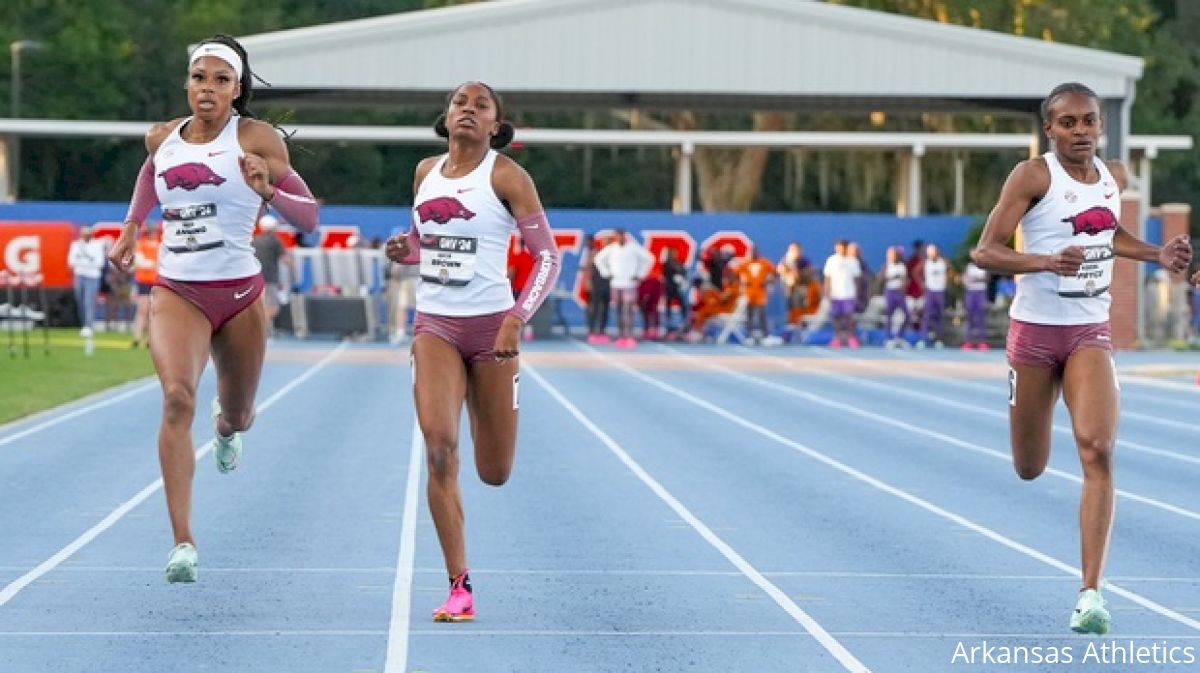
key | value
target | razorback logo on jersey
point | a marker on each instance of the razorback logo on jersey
(442, 209)
(189, 176)
(1093, 221)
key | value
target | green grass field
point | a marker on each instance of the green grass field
(41, 381)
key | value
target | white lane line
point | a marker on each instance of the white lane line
(551, 633)
(74, 413)
(107, 522)
(997, 390)
(589, 572)
(1124, 378)
(848, 660)
(398, 628)
(885, 487)
(918, 430)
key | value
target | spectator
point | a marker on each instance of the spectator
(936, 274)
(271, 253)
(841, 286)
(401, 297)
(916, 278)
(894, 277)
(650, 294)
(675, 286)
(975, 284)
(86, 259)
(862, 284)
(624, 263)
(598, 291)
(755, 275)
(145, 274)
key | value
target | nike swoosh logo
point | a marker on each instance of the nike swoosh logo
(213, 154)
(238, 295)
(464, 190)
(1109, 195)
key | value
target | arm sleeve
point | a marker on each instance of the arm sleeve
(144, 198)
(535, 232)
(295, 203)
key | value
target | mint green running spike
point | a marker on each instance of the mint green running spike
(181, 563)
(1090, 615)
(227, 452)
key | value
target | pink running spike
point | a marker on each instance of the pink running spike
(460, 606)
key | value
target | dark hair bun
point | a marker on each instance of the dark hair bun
(439, 127)
(503, 137)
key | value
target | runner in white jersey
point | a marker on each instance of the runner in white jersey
(935, 275)
(468, 204)
(213, 174)
(894, 276)
(975, 286)
(1059, 336)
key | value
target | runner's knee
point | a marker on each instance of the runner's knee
(1095, 451)
(179, 403)
(441, 454)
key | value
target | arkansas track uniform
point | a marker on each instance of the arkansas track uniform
(463, 232)
(1053, 316)
(208, 214)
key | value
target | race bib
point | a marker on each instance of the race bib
(191, 228)
(448, 260)
(1095, 274)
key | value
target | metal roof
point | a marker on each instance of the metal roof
(795, 54)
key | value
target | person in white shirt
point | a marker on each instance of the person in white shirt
(86, 259)
(1068, 204)
(936, 275)
(624, 263)
(894, 276)
(841, 286)
(975, 285)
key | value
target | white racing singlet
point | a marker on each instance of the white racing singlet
(896, 276)
(208, 210)
(1071, 213)
(465, 232)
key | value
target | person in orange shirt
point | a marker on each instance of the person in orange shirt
(753, 275)
(711, 301)
(145, 274)
(807, 297)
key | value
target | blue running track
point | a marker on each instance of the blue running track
(673, 508)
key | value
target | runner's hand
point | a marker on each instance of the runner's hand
(1066, 262)
(1176, 254)
(121, 254)
(508, 339)
(397, 248)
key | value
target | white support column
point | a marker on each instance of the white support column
(6, 164)
(683, 179)
(960, 183)
(914, 181)
(1145, 176)
(903, 168)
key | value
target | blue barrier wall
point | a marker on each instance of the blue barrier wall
(770, 231)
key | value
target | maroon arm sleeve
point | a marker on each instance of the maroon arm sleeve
(535, 231)
(144, 198)
(294, 202)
